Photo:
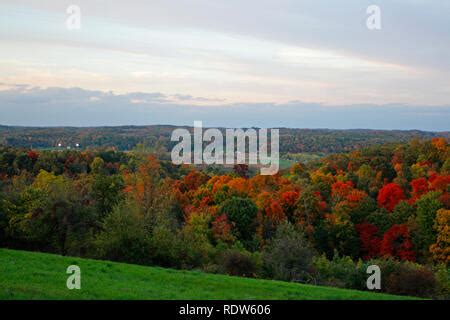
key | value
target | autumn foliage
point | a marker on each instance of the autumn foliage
(441, 249)
(385, 203)
(397, 243)
(389, 196)
(370, 241)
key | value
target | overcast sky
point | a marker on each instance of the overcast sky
(233, 62)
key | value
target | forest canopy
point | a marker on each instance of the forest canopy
(321, 222)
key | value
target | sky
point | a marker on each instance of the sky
(267, 63)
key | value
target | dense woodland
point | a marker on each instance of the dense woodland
(157, 138)
(321, 222)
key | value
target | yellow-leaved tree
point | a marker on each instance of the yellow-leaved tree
(441, 249)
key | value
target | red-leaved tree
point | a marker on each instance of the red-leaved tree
(389, 196)
(397, 243)
(370, 241)
(419, 188)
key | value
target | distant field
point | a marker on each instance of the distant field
(27, 275)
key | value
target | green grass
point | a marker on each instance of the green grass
(29, 275)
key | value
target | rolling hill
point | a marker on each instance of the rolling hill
(29, 275)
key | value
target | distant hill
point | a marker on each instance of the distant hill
(158, 136)
(30, 275)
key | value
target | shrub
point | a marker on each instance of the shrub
(3, 220)
(289, 255)
(123, 237)
(195, 250)
(165, 247)
(339, 271)
(406, 278)
(442, 282)
(238, 263)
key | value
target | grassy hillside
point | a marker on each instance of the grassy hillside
(27, 275)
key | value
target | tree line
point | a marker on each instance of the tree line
(157, 138)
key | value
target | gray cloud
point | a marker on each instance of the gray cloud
(187, 97)
(79, 107)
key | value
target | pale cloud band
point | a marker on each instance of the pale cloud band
(31, 106)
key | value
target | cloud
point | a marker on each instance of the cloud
(31, 106)
(62, 96)
(252, 51)
(187, 97)
(413, 32)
